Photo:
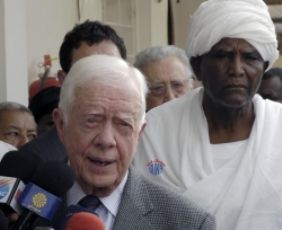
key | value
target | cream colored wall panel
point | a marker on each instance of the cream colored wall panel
(151, 22)
(182, 11)
(143, 24)
(159, 22)
(90, 9)
(13, 52)
(120, 14)
(47, 23)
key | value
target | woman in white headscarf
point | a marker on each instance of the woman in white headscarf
(221, 144)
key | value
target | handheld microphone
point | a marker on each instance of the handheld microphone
(76, 216)
(88, 220)
(19, 165)
(40, 198)
(15, 167)
(3, 221)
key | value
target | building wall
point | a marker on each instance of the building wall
(47, 23)
(32, 28)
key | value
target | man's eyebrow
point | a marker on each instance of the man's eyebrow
(13, 127)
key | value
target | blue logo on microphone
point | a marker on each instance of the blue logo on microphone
(5, 186)
(39, 201)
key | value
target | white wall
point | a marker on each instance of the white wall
(182, 12)
(151, 20)
(13, 55)
(30, 29)
(47, 23)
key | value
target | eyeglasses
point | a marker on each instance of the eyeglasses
(160, 88)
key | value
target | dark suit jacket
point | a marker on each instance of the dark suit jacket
(46, 147)
(145, 205)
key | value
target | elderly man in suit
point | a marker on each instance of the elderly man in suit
(99, 120)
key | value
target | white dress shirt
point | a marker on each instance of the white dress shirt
(109, 208)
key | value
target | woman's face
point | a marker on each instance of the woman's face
(231, 72)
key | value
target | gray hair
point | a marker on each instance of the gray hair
(158, 53)
(102, 69)
(13, 106)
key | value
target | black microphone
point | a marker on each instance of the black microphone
(15, 168)
(40, 198)
(3, 221)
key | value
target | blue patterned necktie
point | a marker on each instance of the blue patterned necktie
(90, 202)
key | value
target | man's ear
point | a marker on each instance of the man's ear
(195, 63)
(142, 129)
(59, 122)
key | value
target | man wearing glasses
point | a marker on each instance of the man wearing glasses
(167, 72)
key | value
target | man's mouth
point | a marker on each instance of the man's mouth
(100, 162)
(235, 87)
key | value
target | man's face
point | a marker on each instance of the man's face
(17, 127)
(231, 72)
(105, 47)
(167, 79)
(101, 134)
(271, 88)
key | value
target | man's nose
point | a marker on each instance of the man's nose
(106, 136)
(169, 93)
(23, 140)
(237, 66)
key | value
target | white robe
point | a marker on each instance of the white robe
(243, 194)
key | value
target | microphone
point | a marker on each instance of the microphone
(3, 221)
(15, 168)
(19, 165)
(41, 197)
(70, 220)
(88, 220)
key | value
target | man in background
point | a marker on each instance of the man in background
(90, 37)
(271, 85)
(42, 105)
(167, 72)
(17, 124)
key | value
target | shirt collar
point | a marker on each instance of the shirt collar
(111, 202)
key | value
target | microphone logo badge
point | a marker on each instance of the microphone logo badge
(5, 184)
(39, 200)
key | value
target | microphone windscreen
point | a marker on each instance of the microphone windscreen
(3, 221)
(85, 219)
(19, 165)
(55, 177)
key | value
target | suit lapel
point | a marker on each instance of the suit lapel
(135, 205)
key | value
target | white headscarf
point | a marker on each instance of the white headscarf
(245, 19)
